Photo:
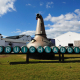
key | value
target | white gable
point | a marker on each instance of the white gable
(66, 38)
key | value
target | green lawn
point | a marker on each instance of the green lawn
(39, 69)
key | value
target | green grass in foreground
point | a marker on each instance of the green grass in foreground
(40, 71)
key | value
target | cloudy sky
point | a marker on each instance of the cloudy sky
(19, 16)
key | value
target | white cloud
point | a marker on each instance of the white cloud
(47, 25)
(49, 4)
(4, 36)
(18, 31)
(77, 11)
(6, 6)
(54, 19)
(31, 33)
(48, 17)
(41, 4)
(63, 23)
(40, 12)
(28, 4)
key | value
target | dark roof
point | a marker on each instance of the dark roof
(32, 38)
(15, 37)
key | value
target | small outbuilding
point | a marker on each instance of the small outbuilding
(19, 40)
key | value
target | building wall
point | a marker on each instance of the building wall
(67, 38)
(25, 38)
(15, 44)
(6, 43)
(2, 42)
(77, 43)
(63, 43)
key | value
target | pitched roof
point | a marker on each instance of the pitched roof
(15, 37)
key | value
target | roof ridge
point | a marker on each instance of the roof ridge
(67, 33)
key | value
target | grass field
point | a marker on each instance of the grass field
(39, 69)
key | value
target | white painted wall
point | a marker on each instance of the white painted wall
(15, 44)
(66, 38)
(24, 38)
(2, 42)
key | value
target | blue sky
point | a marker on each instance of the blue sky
(19, 16)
